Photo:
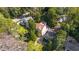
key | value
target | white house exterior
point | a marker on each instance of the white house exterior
(44, 30)
(42, 27)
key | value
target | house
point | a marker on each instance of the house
(22, 21)
(25, 20)
(42, 27)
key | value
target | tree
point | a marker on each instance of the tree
(5, 12)
(34, 46)
(32, 36)
(38, 33)
(50, 17)
(32, 29)
(10, 27)
(61, 38)
(21, 31)
(32, 25)
(6, 24)
(72, 24)
(37, 17)
(47, 44)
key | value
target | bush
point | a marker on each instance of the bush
(34, 46)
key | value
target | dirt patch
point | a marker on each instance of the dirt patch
(9, 43)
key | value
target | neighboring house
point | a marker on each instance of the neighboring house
(23, 21)
(42, 27)
(23, 18)
(63, 18)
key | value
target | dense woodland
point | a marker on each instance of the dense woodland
(70, 27)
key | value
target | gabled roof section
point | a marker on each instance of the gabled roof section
(40, 25)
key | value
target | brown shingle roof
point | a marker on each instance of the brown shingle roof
(40, 25)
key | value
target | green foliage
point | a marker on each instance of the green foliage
(47, 44)
(22, 30)
(52, 12)
(38, 33)
(50, 16)
(65, 26)
(61, 38)
(54, 44)
(5, 12)
(72, 25)
(34, 46)
(12, 11)
(37, 17)
(6, 24)
(31, 25)
(32, 36)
